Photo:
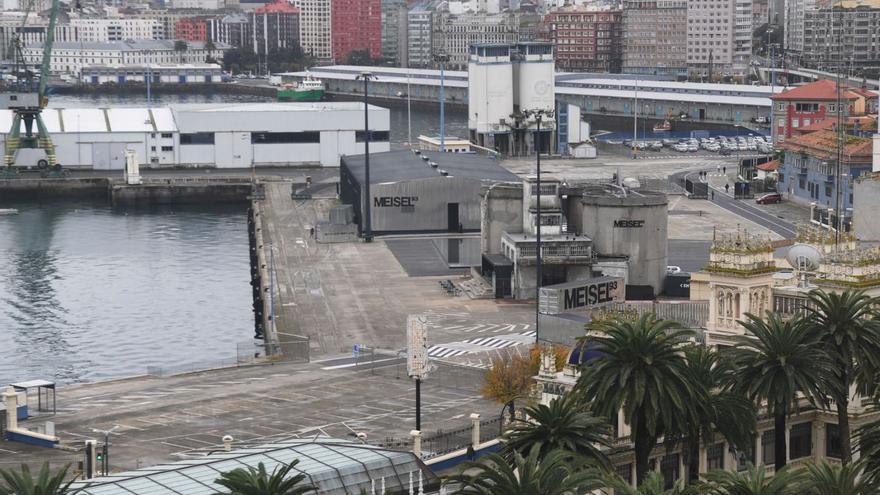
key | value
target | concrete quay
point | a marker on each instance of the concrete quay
(338, 295)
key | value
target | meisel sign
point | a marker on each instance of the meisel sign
(395, 201)
(583, 294)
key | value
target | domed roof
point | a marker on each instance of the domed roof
(580, 354)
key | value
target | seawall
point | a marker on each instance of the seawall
(168, 191)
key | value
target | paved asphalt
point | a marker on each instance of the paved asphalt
(743, 208)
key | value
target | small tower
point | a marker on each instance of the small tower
(740, 276)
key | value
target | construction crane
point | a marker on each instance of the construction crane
(27, 98)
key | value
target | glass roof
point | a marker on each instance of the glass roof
(335, 466)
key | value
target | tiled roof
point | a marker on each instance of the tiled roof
(864, 121)
(823, 144)
(770, 166)
(822, 89)
(278, 7)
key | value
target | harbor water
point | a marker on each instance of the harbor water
(89, 293)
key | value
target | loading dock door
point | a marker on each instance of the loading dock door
(452, 217)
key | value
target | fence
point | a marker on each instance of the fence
(246, 353)
(693, 314)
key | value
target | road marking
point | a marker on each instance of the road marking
(364, 363)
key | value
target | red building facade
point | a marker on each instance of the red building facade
(192, 29)
(811, 103)
(585, 40)
(356, 25)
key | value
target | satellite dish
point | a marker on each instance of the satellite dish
(804, 257)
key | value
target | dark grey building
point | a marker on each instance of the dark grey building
(420, 192)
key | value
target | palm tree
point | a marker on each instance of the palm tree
(654, 484)
(868, 439)
(642, 372)
(778, 360)
(22, 483)
(833, 479)
(753, 481)
(719, 408)
(553, 474)
(565, 425)
(846, 325)
(257, 481)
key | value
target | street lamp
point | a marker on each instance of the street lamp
(442, 58)
(539, 114)
(368, 231)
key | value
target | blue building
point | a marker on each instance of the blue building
(809, 169)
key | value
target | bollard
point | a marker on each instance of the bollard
(417, 442)
(475, 431)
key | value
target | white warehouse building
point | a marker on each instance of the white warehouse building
(208, 135)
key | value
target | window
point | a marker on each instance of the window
(197, 138)
(669, 467)
(167, 135)
(625, 472)
(167, 148)
(768, 446)
(794, 123)
(285, 137)
(832, 441)
(152, 148)
(715, 456)
(743, 459)
(801, 439)
(375, 136)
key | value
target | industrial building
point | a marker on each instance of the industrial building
(587, 230)
(505, 81)
(208, 135)
(157, 73)
(420, 192)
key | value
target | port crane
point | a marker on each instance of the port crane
(27, 98)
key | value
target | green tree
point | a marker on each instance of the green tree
(719, 407)
(642, 372)
(553, 474)
(654, 484)
(753, 481)
(845, 324)
(834, 479)
(776, 360)
(23, 483)
(565, 425)
(257, 481)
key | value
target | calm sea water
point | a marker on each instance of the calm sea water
(425, 119)
(88, 292)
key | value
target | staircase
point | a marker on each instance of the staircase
(476, 287)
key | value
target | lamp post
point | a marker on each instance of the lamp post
(738, 163)
(442, 58)
(539, 114)
(368, 231)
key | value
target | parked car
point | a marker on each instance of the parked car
(671, 269)
(767, 199)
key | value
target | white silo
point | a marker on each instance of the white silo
(490, 94)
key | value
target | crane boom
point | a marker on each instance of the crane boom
(47, 51)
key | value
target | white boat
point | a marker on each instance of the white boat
(8, 211)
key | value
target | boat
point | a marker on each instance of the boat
(664, 127)
(8, 211)
(309, 89)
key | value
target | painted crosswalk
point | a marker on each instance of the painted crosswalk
(479, 344)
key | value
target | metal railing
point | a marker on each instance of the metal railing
(246, 353)
(229, 179)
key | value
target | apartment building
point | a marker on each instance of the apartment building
(314, 28)
(125, 28)
(454, 34)
(585, 39)
(655, 40)
(356, 25)
(719, 38)
(420, 35)
(841, 39)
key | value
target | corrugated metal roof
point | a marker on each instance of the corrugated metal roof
(402, 165)
(271, 107)
(123, 119)
(667, 96)
(334, 466)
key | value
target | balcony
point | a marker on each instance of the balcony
(555, 250)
